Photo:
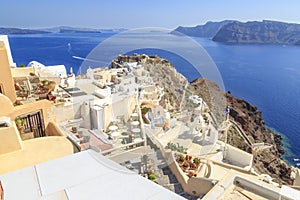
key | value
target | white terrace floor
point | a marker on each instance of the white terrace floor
(184, 136)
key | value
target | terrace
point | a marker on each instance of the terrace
(31, 89)
(121, 135)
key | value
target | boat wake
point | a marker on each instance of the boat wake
(86, 59)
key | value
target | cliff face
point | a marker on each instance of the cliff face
(267, 32)
(250, 119)
(207, 30)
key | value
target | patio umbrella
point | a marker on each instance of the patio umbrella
(146, 104)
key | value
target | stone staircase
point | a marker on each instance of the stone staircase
(163, 173)
(164, 176)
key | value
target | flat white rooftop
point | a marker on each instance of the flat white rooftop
(85, 175)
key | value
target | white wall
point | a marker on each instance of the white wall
(4, 38)
(238, 157)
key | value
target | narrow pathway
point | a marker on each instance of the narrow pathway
(183, 95)
(241, 132)
(254, 146)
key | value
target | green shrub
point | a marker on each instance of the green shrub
(145, 110)
(174, 147)
(151, 177)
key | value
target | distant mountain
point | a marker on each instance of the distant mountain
(12, 31)
(67, 29)
(266, 32)
(209, 29)
(61, 29)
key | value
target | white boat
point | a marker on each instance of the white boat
(298, 164)
(296, 159)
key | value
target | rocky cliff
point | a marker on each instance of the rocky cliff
(207, 30)
(249, 118)
(266, 32)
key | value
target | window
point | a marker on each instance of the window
(1, 89)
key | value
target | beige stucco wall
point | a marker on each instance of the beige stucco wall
(10, 140)
(52, 129)
(21, 71)
(7, 106)
(16, 154)
(36, 151)
(6, 79)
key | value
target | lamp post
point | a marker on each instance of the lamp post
(227, 112)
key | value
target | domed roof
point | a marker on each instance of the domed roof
(36, 65)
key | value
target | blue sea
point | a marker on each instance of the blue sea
(267, 76)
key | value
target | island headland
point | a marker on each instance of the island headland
(253, 32)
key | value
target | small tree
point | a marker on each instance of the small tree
(21, 65)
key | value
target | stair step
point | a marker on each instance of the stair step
(174, 187)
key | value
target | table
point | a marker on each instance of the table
(138, 140)
(135, 123)
(113, 128)
(134, 115)
(115, 134)
(136, 130)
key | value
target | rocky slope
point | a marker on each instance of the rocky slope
(207, 30)
(266, 32)
(248, 117)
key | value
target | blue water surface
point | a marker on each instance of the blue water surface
(267, 76)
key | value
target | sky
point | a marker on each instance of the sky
(141, 13)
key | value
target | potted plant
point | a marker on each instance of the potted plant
(190, 174)
(193, 166)
(20, 123)
(45, 82)
(186, 165)
(196, 161)
(188, 157)
(180, 158)
(51, 86)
